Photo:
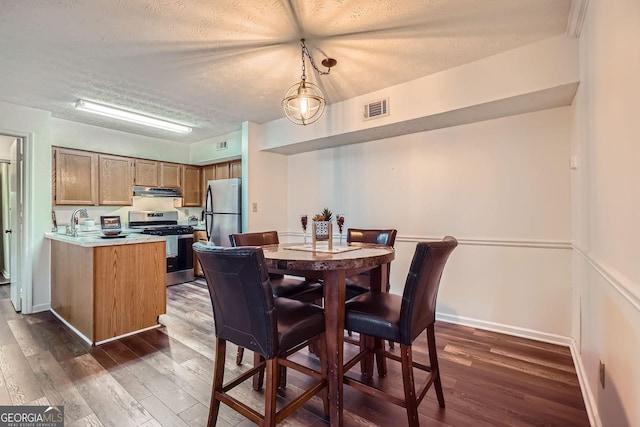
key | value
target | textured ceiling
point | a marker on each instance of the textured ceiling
(214, 64)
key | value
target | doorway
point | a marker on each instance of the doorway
(11, 208)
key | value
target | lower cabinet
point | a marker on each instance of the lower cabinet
(108, 291)
(198, 236)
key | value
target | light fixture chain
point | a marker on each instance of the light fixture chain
(305, 51)
(304, 70)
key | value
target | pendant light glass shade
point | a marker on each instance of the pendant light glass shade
(303, 103)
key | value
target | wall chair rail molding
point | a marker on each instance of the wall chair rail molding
(619, 282)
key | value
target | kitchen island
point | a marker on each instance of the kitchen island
(104, 288)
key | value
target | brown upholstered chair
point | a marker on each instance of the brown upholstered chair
(402, 319)
(246, 313)
(283, 286)
(359, 284)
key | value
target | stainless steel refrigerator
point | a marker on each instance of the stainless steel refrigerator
(223, 210)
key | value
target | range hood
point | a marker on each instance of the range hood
(156, 192)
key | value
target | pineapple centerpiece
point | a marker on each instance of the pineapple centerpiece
(322, 224)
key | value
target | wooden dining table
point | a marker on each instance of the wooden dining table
(333, 267)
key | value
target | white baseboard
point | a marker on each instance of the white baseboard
(587, 395)
(506, 329)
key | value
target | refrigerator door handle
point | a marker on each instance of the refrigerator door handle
(208, 213)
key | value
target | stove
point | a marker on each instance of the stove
(178, 245)
(167, 230)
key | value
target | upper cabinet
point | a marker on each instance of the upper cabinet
(115, 180)
(75, 178)
(235, 169)
(170, 175)
(191, 195)
(208, 173)
(146, 173)
(87, 178)
(222, 170)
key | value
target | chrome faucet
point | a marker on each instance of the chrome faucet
(72, 226)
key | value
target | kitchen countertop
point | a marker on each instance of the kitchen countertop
(94, 240)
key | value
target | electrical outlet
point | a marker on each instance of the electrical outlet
(602, 373)
(255, 207)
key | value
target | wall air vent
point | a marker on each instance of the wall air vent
(221, 145)
(375, 109)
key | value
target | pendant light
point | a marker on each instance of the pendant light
(304, 102)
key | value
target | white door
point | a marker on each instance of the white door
(15, 213)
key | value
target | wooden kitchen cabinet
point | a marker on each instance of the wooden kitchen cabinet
(235, 169)
(75, 177)
(146, 173)
(115, 180)
(208, 173)
(108, 291)
(170, 175)
(191, 184)
(198, 236)
(222, 170)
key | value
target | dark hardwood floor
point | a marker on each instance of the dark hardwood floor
(163, 377)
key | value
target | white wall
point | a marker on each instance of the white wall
(65, 133)
(206, 151)
(502, 187)
(264, 180)
(35, 125)
(5, 145)
(606, 200)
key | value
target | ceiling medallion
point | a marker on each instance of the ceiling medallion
(304, 102)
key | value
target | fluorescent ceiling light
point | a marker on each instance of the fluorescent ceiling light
(128, 116)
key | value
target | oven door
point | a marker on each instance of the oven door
(180, 266)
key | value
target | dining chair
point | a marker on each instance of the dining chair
(360, 283)
(385, 316)
(282, 286)
(246, 314)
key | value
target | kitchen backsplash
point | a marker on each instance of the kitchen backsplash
(63, 213)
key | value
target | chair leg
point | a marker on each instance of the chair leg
(218, 378)
(270, 393)
(282, 376)
(409, 385)
(433, 361)
(258, 379)
(369, 343)
(239, 355)
(381, 361)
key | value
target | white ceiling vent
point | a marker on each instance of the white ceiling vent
(375, 109)
(221, 145)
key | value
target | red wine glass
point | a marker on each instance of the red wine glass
(303, 222)
(340, 222)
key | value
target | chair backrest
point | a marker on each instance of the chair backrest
(257, 239)
(254, 239)
(418, 308)
(380, 237)
(241, 296)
